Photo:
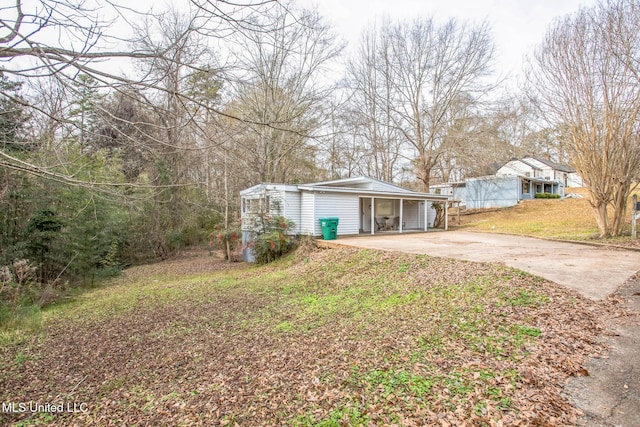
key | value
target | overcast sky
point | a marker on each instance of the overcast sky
(518, 25)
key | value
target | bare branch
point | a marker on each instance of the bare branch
(13, 27)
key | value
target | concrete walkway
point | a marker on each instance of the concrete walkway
(595, 272)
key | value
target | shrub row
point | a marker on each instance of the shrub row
(547, 196)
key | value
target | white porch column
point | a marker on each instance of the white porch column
(373, 220)
(426, 216)
(400, 225)
(446, 215)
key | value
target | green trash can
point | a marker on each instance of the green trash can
(329, 228)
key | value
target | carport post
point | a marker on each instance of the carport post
(446, 215)
(373, 202)
(426, 217)
(400, 225)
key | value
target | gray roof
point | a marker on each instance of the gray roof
(347, 185)
(557, 166)
(529, 164)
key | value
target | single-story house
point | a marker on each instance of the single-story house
(518, 179)
(363, 205)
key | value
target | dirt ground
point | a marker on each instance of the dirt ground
(171, 344)
(609, 392)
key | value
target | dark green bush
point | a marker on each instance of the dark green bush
(274, 240)
(547, 196)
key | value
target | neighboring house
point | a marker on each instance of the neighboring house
(455, 190)
(537, 167)
(518, 179)
(501, 191)
(363, 205)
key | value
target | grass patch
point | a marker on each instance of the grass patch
(341, 337)
(399, 383)
(565, 219)
(570, 219)
(341, 416)
(354, 302)
(19, 323)
(112, 385)
(523, 298)
(415, 390)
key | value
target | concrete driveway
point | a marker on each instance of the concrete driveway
(595, 272)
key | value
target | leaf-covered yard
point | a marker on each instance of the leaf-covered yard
(326, 338)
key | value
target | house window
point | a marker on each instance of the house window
(525, 187)
(438, 191)
(384, 207)
(527, 174)
(256, 205)
(250, 205)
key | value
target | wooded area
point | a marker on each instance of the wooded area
(126, 135)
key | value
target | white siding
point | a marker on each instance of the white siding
(342, 206)
(460, 193)
(493, 192)
(574, 180)
(251, 205)
(292, 206)
(444, 189)
(413, 215)
(276, 201)
(545, 171)
(281, 202)
(248, 254)
(365, 214)
(516, 167)
(307, 213)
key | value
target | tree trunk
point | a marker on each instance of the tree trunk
(600, 212)
(425, 165)
(226, 206)
(620, 209)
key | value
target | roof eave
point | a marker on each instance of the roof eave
(397, 195)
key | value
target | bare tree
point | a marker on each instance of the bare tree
(479, 142)
(63, 39)
(422, 72)
(186, 54)
(434, 67)
(278, 81)
(585, 77)
(370, 80)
